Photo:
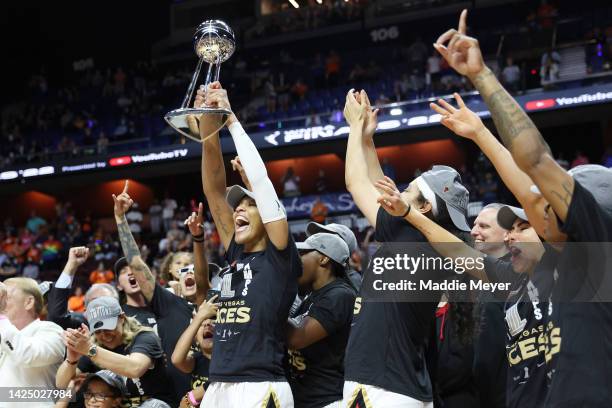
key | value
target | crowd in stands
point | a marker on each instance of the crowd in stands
(98, 110)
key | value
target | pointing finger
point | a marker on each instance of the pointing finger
(463, 22)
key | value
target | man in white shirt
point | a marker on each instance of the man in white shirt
(31, 350)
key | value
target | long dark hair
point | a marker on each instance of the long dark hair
(462, 312)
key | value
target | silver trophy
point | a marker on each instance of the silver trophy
(214, 42)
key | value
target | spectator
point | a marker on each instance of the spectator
(121, 345)
(76, 302)
(31, 268)
(319, 211)
(134, 218)
(299, 89)
(511, 75)
(313, 119)
(357, 73)
(321, 183)
(291, 183)
(596, 51)
(488, 189)
(101, 275)
(270, 92)
(103, 389)
(373, 71)
(417, 55)
(31, 349)
(35, 222)
(549, 66)
(102, 144)
(580, 159)
(433, 70)
(51, 249)
(401, 88)
(382, 100)
(155, 217)
(169, 205)
(332, 68)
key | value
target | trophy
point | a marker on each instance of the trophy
(214, 42)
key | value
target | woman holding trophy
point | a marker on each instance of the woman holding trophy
(257, 291)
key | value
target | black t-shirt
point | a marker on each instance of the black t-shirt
(388, 340)
(256, 295)
(526, 310)
(154, 383)
(200, 372)
(173, 316)
(144, 315)
(579, 349)
(317, 371)
(490, 362)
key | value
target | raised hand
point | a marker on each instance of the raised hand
(371, 121)
(390, 198)
(77, 256)
(123, 201)
(208, 309)
(195, 221)
(78, 341)
(462, 52)
(237, 166)
(462, 121)
(354, 110)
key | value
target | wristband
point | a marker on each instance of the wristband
(198, 238)
(407, 211)
(71, 362)
(192, 399)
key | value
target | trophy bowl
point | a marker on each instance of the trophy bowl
(214, 43)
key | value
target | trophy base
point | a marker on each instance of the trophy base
(185, 121)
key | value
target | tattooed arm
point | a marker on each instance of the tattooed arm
(517, 131)
(213, 173)
(141, 271)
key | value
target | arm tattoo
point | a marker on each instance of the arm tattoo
(509, 117)
(566, 195)
(130, 248)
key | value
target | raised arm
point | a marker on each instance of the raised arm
(196, 228)
(466, 123)
(213, 171)
(270, 209)
(139, 268)
(517, 131)
(57, 304)
(369, 128)
(356, 174)
(181, 358)
(443, 242)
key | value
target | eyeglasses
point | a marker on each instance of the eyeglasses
(186, 269)
(96, 396)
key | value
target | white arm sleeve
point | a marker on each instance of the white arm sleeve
(269, 206)
(64, 281)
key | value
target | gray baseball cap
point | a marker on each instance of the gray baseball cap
(508, 214)
(113, 380)
(342, 231)
(154, 403)
(446, 183)
(102, 313)
(235, 194)
(596, 179)
(330, 245)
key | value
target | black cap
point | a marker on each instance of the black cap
(119, 265)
